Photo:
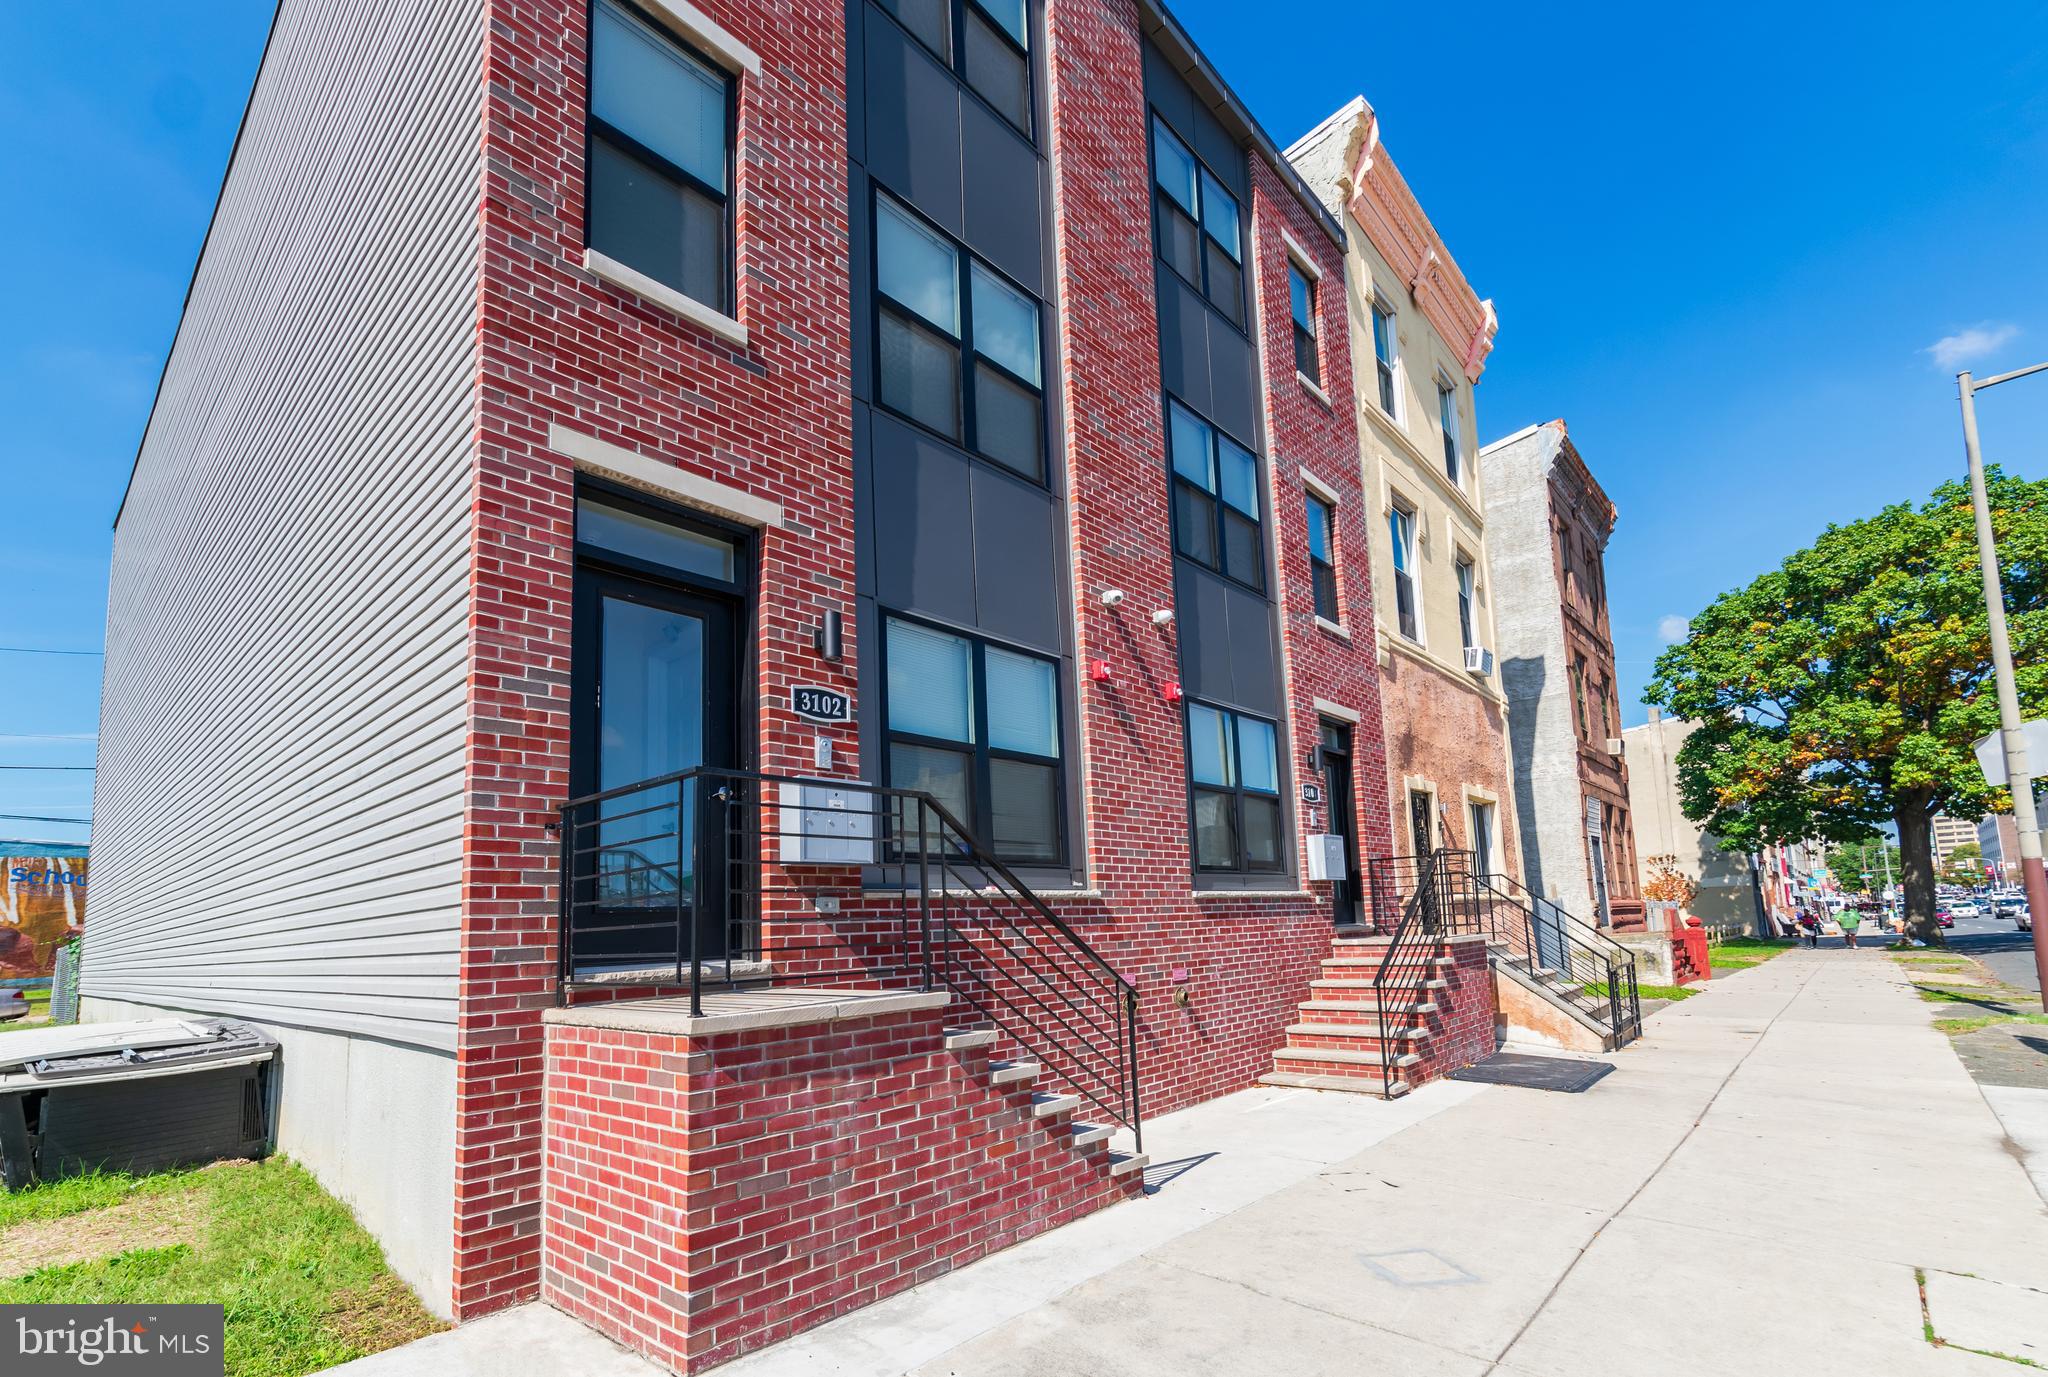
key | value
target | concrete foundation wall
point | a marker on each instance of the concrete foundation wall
(375, 1123)
(1525, 1018)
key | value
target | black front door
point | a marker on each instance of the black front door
(653, 694)
(1346, 895)
(1418, 821)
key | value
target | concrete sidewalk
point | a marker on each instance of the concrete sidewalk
(1770, 1182)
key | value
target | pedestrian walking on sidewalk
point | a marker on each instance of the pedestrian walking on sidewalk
(1850, 920)
(1810, 925)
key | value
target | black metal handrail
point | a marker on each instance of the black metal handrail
(1580, 966)
(1401, 984)
(899, 894)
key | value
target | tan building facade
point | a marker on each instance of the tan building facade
(1420, 336)
(1730, 895)
(1950, 833)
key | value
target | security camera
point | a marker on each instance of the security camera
(1112, 597)
(1162, 616)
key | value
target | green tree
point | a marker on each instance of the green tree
(1846, 687)
(1863, 864)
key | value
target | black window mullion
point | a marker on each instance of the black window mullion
(970, 428)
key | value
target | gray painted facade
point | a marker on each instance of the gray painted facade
(1727, 880)
(1542, 746)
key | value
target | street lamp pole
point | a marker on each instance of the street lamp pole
(2017, 775)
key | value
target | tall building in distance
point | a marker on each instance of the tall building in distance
(1551, 520)
(1419, 340)
(1950, 833)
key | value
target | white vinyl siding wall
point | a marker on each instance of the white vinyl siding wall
(278, 820)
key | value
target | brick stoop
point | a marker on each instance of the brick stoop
(714, 1187)
(1345, 1040)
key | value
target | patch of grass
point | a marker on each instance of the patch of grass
(304, 1287)
(81, 1193)
(1958, 1026)
(1669, 993)
(1740, 953)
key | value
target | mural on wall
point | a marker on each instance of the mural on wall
(42, 905)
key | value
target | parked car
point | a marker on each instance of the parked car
(13, 1005)
(2025, 919)
(1944, 917)
(1965, 908)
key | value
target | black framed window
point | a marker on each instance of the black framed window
(1401, 535)
(659, 157)
(1322, 556)
(1215, 499)
(1234, 789)
(1301, 294)
(1467, 577)
(1384, 344)
(1447, 419)
(1197, 224)
(957, 346)
(992, 53)
(977, 726)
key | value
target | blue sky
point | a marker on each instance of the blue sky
(1724, 244)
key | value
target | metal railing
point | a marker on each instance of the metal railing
(1579, 966)
(1407, 906)
(734, 879)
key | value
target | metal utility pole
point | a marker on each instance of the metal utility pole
(2017, 775)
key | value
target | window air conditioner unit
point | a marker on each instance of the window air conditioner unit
(1478, 660)
(1614, 745)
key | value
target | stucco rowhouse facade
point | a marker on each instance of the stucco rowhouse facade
(1420, 336)
(1730, 896)
(1551, 523)
(721, 623)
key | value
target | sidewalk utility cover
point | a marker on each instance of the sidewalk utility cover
(1535, 1073)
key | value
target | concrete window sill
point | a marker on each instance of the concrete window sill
(608, 269)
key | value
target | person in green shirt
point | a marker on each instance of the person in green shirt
(1850, 920)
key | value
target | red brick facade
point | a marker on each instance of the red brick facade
(772, 419)
(710, 1195)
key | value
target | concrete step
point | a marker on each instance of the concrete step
(1124, 1163)
(1013, 1072)
(1351, 983)
(1363, 1005)
(1045, 1104)
(1376, 1031)
(1350, 1085)
(1088, 1135)
(960, 1039)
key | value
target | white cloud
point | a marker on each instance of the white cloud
(1965, 347)
(1671, 629)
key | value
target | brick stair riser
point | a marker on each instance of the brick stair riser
(1352, 1071)
(1364, 1015)
(1312, 1042)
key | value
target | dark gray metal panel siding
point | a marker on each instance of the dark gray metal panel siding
(1233, 381)
(1183, 339)
(912, 125)
(1000, 175)
(923, 534)
(1017, 550)
(1254, 673)
(278, 828)
(1202, 620)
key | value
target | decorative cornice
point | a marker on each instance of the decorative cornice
(1380, 201)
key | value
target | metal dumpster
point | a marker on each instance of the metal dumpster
(132, 1097)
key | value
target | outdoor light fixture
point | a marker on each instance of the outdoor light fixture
(1162, 616)
(830, 636)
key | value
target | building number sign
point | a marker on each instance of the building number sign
(820, 704)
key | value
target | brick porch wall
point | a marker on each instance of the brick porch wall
(706, 1196)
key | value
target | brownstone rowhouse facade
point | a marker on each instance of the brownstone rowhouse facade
(672, 330)
(1552, 520)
